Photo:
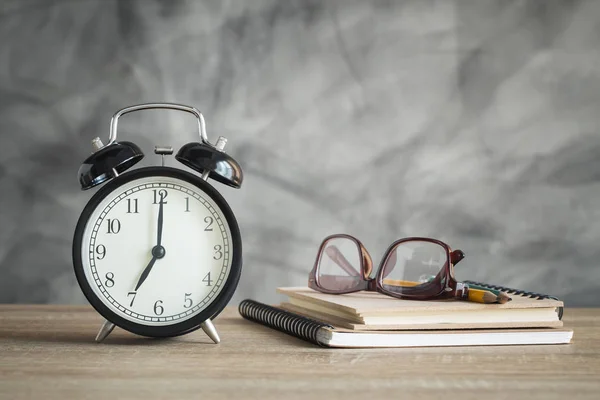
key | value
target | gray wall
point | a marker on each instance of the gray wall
(475, 122)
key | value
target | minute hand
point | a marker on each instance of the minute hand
(160, 224)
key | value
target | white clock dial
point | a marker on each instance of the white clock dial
(121, 233)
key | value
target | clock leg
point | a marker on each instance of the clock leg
(106, 329)
(208, 328)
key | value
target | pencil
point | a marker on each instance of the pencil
(399, 282)
(481, 296)
(477, 294)
(503, 297)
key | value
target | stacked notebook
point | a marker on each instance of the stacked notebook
(369, 319)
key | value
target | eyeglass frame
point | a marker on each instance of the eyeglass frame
(451, 288)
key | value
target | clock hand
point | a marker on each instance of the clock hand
(145, 273)
(160, 223)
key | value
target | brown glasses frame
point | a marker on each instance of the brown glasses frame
(444, 285)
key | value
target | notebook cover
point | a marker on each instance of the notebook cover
(395, 339)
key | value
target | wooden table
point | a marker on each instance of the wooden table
(48, 352)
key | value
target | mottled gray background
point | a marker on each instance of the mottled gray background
(476, 122)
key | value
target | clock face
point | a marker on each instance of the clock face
(157, 250)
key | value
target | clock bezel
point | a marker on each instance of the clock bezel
(178, 328)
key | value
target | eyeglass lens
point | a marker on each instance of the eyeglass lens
(411, 266)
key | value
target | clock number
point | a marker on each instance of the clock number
(101, 251)
(135, 206)
(133, 298)
(114, 225)
(160, 193)
(207, 280)
(187, 204)
(218, 253)
(158, 308)
(187, 302)
(110, 279)
(209, 221)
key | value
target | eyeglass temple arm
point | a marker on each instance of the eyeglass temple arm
(336, 255)
(455, 257)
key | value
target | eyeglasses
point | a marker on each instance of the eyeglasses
(412, 268)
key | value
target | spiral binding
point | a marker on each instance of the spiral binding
(518, 292)
(282, 320)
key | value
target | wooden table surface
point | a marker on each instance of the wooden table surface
(49, 352)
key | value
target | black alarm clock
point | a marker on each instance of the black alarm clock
(157, 250)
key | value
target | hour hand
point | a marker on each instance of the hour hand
(145, 273)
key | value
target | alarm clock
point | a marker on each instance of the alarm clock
(157, 250)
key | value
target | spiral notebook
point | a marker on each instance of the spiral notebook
(326, 335)
(531, 318)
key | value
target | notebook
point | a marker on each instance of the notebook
(371, 311)
(327, 335)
